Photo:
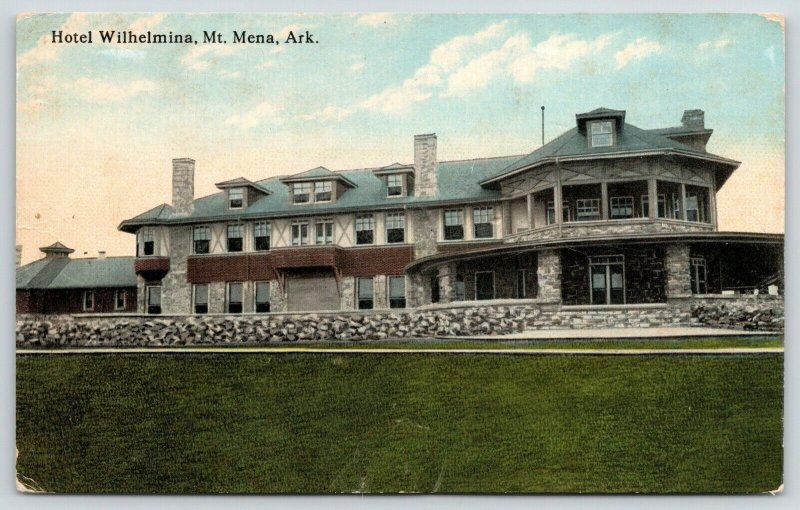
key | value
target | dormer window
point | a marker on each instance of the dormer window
(235, 198)
(602, 134)
(322, 191)
(301, 192)
(394, 185)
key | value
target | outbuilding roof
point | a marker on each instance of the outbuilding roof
(66, 273)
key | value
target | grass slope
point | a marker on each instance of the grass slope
(413, 423)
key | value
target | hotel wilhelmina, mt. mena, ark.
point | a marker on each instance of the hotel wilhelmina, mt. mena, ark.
(606, 215)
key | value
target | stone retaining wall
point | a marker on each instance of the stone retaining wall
(454, 319)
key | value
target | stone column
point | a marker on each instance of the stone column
(176, 291)
(652, 199)
(530, 210)
(379, 292)
(418, 291)
(548, 273)
(604, 200)
(447, 283)
(677, 265)
(347, 293)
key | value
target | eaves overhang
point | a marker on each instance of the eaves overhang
(424, 263)
(493, 181)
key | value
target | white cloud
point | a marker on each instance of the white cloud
(31, 105)
(45, 50)
(268, 64)
(200, 58)
(264, 112)
(717, 45)
(284, 32)
(357, 66)
(329, 113)
(147, 23)
(228, 75)
(374, 19)
(637, 50)
(100, 91)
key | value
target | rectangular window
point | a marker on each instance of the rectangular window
(301, 192)
(484, 285)
(522, 278)
(153, 299)
(234, 301)
(299, 234)
(148, 244)
(88, 300)
(200, 292)
(453, 224)
(607, 280)
(397, 292)
(696, 205)
(394, 186)
(675, 202)
(324, 230)
(234, 238)
(365, 294)
(662, 206)
(365, 229)
(120, 299)
(601, 134)
(202, 239)
(698, 275)
(395, 227)
(262, 232)
(235, 198)
(551, 212)
(482, 218)
(621, 207)
(261, 299)
(587, 209)
(322, 191)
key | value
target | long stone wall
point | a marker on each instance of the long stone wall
(499, 317)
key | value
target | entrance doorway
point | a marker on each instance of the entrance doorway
(607, 280)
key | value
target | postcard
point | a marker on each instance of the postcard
(399, 253)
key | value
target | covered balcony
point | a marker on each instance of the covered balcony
(623, 207)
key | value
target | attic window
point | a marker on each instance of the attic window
(301, 192)
(394, 186)
(602, 134)
(322, 191)
(235, 198)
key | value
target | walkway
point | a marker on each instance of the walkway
(618, 334)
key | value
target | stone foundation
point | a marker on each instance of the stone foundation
(500, 317)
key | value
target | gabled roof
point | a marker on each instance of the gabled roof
(458, 181)
(241, 182)
(66, 273)
(316, 174)
(158, 212)
(632, 141)
(394, 168)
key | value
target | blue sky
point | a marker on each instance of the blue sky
(114, 115)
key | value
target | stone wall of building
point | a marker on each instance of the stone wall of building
(677, 264)
(425, 163)
(499, 317)
(549, 275)
(599, 229)
(176, 291)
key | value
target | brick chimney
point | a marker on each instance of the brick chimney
(19, 255)
(693, 119)
(182, 185)
(425, 180)
(101, 255)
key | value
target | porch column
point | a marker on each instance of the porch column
(447, 283)
(677, 264)
(652, 199)
(548, 273)
(557, 201)
(419, 290)
(530, 210)
(506, 218)
(604, 200)
(683, 201)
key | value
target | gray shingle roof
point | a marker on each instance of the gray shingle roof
(631, 139)
(65, 273)
(458, 181)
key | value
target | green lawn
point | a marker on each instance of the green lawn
(406, 422)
